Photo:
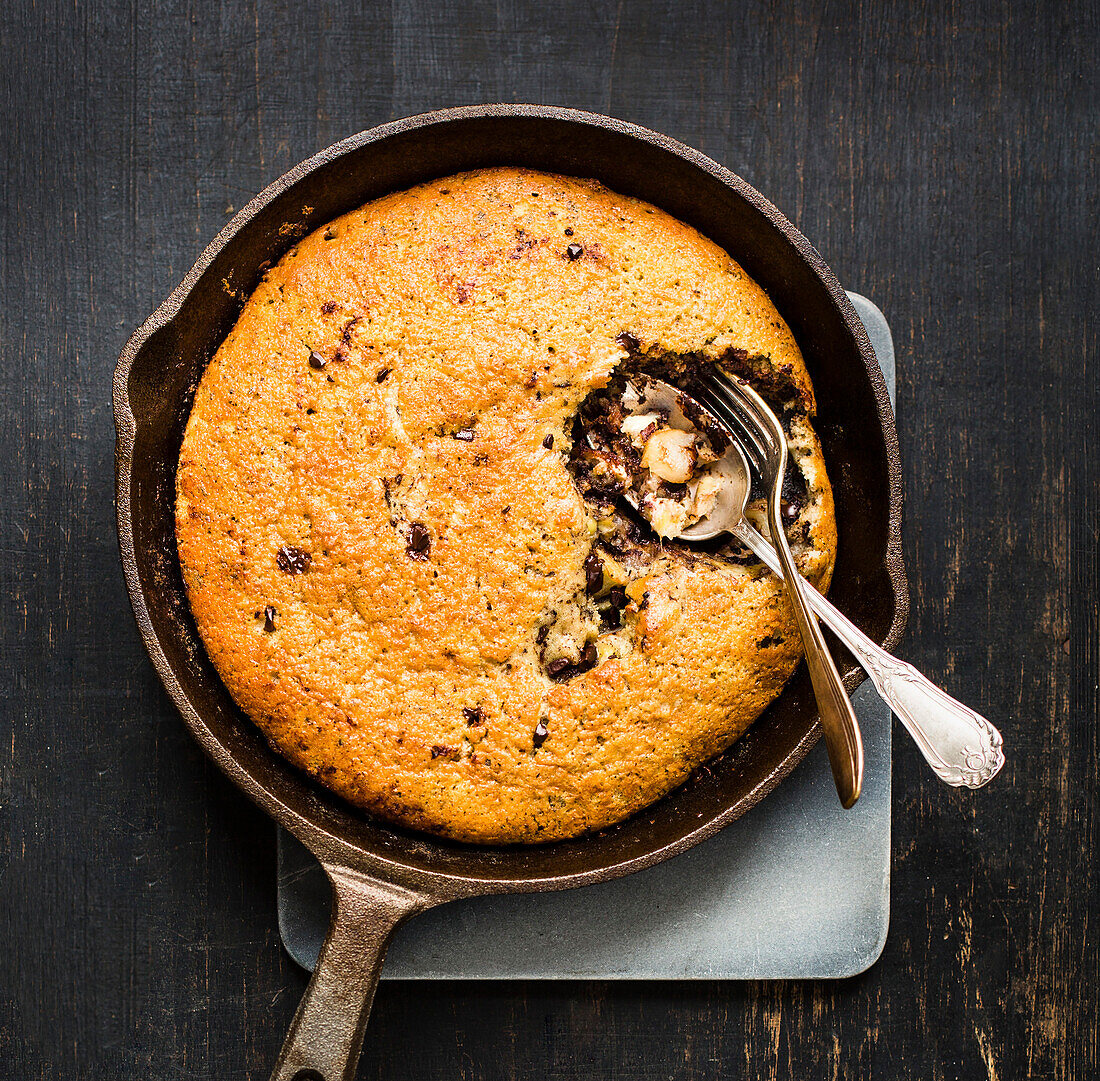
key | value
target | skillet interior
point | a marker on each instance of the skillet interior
(162, 363)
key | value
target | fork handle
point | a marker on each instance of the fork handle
(960, 745)
(838, 719)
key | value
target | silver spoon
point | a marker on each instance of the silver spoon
(960, 745)
(769, 449)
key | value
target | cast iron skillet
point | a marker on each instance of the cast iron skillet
(382, 875)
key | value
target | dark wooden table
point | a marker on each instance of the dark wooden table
(942, 157)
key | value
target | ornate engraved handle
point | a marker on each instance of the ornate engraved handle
(963, 748)
(961, 745)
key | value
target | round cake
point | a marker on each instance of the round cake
(400, 515)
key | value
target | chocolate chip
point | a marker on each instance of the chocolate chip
(481, 459)
(593, 573)
(629, 342)
(419, 542)
(269, 619)
(329, 306)
(562, 669)
(293, 560)
(548, 442)
(616, 602)
(543, 633)
(588, 658)
(465, 434)
(541, 732)
(574, 251)
(316, 361)
(380, 377)
(568, 230)
(474, 715)
(439, 751)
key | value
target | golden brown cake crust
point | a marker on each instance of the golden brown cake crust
(378, 539)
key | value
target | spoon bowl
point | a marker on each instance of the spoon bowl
(731, 468)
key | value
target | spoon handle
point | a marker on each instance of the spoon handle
(961, 746)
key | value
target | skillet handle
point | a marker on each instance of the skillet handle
(326, 1035)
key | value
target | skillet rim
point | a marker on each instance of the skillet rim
(327, 845)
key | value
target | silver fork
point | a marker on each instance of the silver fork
(960, 745)
(762, 439)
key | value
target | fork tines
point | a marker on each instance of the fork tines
(730, 411)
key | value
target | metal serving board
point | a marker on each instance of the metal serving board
(797, 889)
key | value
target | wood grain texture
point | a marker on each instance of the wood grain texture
(942, 157)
